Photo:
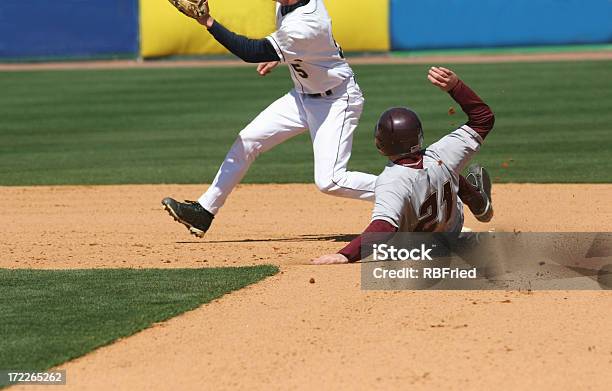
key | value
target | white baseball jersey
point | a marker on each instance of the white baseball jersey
(304, 40)
(425, 200)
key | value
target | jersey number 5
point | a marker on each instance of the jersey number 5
(429, 210)
(299, 70)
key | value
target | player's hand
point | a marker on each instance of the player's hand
(443, 78)
(206, 20)
(266, 67)
(330, 259)
(196, 9)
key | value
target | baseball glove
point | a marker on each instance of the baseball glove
(193, 8)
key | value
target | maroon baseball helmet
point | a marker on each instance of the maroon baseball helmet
(399, 132)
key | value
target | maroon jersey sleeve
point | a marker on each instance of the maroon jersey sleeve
(353, 250)
(480, 116)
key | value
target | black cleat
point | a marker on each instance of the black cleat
(191, 214)
(479, 178)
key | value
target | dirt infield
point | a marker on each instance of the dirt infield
(287, 333)
(354, 60)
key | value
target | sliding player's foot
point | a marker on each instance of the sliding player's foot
(479, 178)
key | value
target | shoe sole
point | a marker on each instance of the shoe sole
(487, 215)
(198, 233)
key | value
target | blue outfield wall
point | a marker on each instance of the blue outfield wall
(46, 29)
(68, 28)
(492, 23)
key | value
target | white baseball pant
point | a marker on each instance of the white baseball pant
(331, 120)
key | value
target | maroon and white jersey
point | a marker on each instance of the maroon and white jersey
(425, 199)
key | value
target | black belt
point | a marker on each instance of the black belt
(326, 93)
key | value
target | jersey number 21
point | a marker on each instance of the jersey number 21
(428, 214)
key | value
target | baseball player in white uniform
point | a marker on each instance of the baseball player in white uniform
(420, 189)
(325, 100)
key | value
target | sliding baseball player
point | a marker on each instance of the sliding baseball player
(421, 190)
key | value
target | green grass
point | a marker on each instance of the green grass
(51, 316)
(175, 125)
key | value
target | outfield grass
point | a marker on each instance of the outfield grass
(175, 125)
(51, 316)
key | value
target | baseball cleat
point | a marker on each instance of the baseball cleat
(479, 178)
(191, 214)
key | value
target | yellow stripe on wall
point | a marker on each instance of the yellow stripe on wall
(359, 25)
(165, 31)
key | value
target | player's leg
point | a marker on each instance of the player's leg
(332, 121)
(475, 192)
(282, 120)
